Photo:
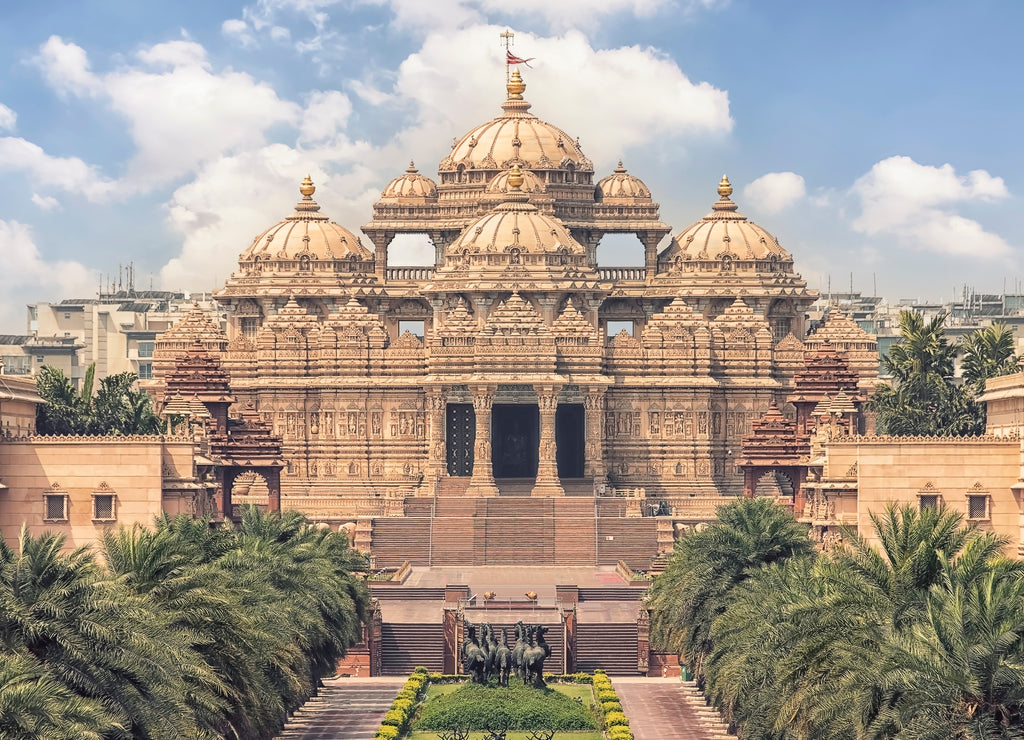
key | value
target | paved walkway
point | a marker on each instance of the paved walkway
(663, 708)
(346, 709)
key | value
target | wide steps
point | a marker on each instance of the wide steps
(395, 540)
(611, 647)
(405, 646)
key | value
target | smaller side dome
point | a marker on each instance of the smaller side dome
(410, 185)
(620, 186)
(725, 236)
(499, 184)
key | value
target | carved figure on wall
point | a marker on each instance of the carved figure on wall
(375, 423)
(314, 423)
(329, 423)
(353, 423)
(655, 423)
(702, 423)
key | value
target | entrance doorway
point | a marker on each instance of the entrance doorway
(570, 439)
(460, 437)
(515, 438)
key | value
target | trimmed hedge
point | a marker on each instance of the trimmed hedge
(615, 721)
(396, 720)
(518, 707)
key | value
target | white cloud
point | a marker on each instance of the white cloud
(916, 204)
(8, 118)
(66, 67)
(45, 202)
(65, 173)
(325, 115)
(27, 275)
(775, 191)
(237, 30)
(171, 54)
(614, 98)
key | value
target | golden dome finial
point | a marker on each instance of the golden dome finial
(515, 179)
(516, 87)
(307, 188)
(725, 187)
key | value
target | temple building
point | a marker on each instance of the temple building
(515, 359)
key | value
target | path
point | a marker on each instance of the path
(346, 709)
(664, 708)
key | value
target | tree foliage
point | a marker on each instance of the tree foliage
(921, 637)
(117, 407)
(923, 397)
(181, 631)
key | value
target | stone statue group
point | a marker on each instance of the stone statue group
(484, 656)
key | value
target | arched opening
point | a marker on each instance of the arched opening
(250, 488)
(620, 250)
(774, 484)
(411, 250)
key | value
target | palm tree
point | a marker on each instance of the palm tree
(988, 353)
(707, 565)
(96, 639)
(923, 398)
(33, 705)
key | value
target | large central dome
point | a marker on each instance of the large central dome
(516, 137)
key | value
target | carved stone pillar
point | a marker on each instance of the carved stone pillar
(437, 461)
(482, 482)
(547, 483)
(593, 406)
(273, 478)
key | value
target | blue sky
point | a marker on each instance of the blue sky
(874, 138)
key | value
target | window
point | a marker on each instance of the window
(103, 507)
(780, 328)
(616, 327)
(977, 506)
(146, 349)
(416, 328)
(40, 359)
(67, 315)
(928, 500)
(17, 364)
(145, 370)
(55, 507)
(249, 326)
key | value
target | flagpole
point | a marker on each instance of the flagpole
(507, 36)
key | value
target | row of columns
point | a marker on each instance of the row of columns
(547, 482)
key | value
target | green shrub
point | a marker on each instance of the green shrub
(407, 694)
(520, 707)
(394, 718)
(616, 718)
(620, 733)
(387, 732)
(403, 705)
(610, 706)
(420, 670)
(604, 695)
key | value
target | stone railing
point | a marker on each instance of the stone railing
(324, 507)
(409, 273)
(623, 273)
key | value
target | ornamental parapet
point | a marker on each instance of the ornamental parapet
(882, 439)
(92, 438)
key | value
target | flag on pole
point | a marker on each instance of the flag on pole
(511, 58)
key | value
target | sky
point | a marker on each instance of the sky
(877, 140)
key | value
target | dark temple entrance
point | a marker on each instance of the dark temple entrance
(570, 439)
(460, 437)
(515, 438)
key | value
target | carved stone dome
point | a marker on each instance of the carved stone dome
(516, 136)
(516, 228)
(531, 183)
(306, 234)
(725, 233)
(621, 186)
(410, 185)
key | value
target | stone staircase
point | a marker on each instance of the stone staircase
(345, 709)
(405, 646)
(612, 647)
(459, 531)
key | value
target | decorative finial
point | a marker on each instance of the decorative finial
(516, 87)
(515, 179)
(307, 188)
(411, 169)
(725, 187)
(620, 170)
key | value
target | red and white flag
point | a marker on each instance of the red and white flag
(511, 58)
